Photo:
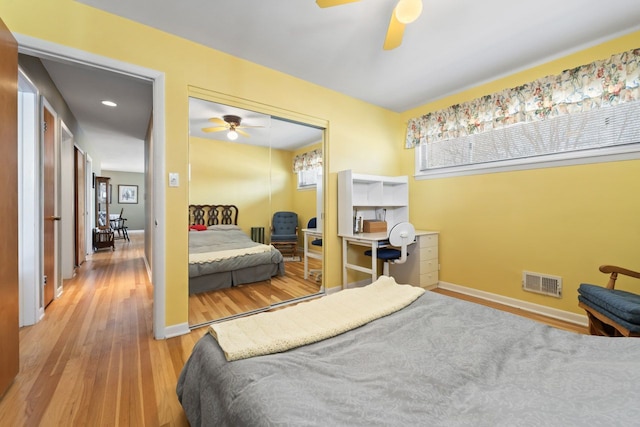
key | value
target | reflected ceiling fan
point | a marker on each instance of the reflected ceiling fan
(405, 12)
(232, 124)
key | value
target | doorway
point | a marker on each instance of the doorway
(80, 203)
(50, 216)
(154, 155)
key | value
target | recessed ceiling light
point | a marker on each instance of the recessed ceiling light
(109, 103)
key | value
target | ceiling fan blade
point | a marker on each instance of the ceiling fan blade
(247, 127)
(218, 121)
(214, 129)
(243, 133)
(331, 3)
(395, 32)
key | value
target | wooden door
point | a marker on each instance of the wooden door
(9, 320)
(50, 217)
(81, 210)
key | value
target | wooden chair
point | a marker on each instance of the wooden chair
(118, 226)
(611, 312)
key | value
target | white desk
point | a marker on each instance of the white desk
(370, 240)
(309, 235)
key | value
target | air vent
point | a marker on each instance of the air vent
(542, 284)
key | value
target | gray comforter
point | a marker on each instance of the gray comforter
(438, 362)
(224, 238)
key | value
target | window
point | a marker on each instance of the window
(308, 166)
(603, 134)
(582, 115)
(308, 178)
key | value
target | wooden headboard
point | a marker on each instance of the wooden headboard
(213, 214)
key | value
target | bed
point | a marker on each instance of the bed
(221, 255)
(438, 361)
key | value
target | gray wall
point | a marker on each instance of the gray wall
(133, 212)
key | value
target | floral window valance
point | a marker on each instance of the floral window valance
(600, 84)
(307, 161)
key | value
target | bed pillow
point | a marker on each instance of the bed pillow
(198, 227)
(223, 227)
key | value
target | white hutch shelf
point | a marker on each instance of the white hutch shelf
(371, 197)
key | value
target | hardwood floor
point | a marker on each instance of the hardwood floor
(208, 306)
(93, 361)
(538, 317)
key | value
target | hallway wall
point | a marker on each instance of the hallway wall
(133, 212)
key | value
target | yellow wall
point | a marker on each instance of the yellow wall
(232, 174)
(564, 221)
(283, 181)
(366, 139)
(224, 172)
(354, 126)
(258, 180)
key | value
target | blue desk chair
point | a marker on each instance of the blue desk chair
(313, 223)
(401, 235)
(611, 312)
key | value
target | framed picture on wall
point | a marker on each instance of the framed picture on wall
(127, 194)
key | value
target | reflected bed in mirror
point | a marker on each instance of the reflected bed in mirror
(255, 173)
(221, 255)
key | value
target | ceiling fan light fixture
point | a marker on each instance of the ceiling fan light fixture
(232, 135)
(407, 11)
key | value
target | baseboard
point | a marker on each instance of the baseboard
(148, 267)
(554, 313)
(176, 330)
(358, 284)
(329, 291)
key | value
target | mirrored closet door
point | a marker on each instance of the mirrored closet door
(249, 211)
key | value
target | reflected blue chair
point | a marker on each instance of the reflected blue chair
(284, 232)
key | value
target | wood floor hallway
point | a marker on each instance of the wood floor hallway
(92, 360)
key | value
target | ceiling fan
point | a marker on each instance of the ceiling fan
(231, 123)
(405, 12)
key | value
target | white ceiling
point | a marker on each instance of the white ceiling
(116, 134)
(455, 44)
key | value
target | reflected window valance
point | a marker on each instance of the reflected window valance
(307, 161)
(600, 84)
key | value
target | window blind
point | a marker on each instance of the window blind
(605, 127)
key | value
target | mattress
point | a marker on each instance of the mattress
(439, 361)
(242, 260)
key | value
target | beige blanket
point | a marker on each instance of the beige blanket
(205, 257)
(311, 321)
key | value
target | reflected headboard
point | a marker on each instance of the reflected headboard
(213, 214)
